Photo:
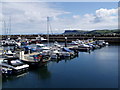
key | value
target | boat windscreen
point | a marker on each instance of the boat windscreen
(16, 63)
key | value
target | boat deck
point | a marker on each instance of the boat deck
(72, 47)
(35, 53)
(30, 59)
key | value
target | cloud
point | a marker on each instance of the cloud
(30, 17)
(76, 16)
(103, 15)
(101, 19)
(36, 11)
(106, 12)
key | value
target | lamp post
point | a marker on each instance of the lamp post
(65, 41)
(93, 37)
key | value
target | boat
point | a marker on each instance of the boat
(41, 47)
(39, 38)
(84, 47)
(8, 43)
(60, 53)
(56, 44)
(73, 43)
(29, 49)
(93, 46)
(101, 43)
(8, 54)
(72, 53)
(6, 71)
(15, 65)
(34, 59)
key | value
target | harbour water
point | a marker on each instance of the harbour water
(97, 69)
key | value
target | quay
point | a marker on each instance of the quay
(61, 37)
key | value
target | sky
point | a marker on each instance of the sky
(30, 17)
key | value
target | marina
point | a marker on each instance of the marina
(87, 70)
(59, 45)
(21, 55)
(39, 54)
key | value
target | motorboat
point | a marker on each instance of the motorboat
(84, 46)
(60, 53)
(16, 65)
(42, 47)
(34, 59)
(73, 43)
(56, 44)
(93, 46)
(8, 54)
(8, 43)
(72, 53)
(6, 71)
(101, 43)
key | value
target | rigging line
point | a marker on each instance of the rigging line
(51, 31)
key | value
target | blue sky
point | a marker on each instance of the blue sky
(82, 8)
(31, 17)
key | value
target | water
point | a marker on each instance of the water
(98, 69)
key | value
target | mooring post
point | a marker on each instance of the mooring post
(65, 41)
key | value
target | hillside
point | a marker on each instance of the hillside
(117, 31)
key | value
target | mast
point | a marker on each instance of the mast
(7, 27)
(48, 30)
(5, 30)
(10, 25)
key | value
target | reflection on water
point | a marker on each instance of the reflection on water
(97, 69)
(42, 72)
(13, 77)
(0, 81)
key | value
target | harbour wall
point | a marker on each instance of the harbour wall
(61, 37)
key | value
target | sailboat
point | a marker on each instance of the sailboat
(41, 57)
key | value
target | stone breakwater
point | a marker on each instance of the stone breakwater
(61, 37)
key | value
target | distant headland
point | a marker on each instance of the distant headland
(93, 32)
